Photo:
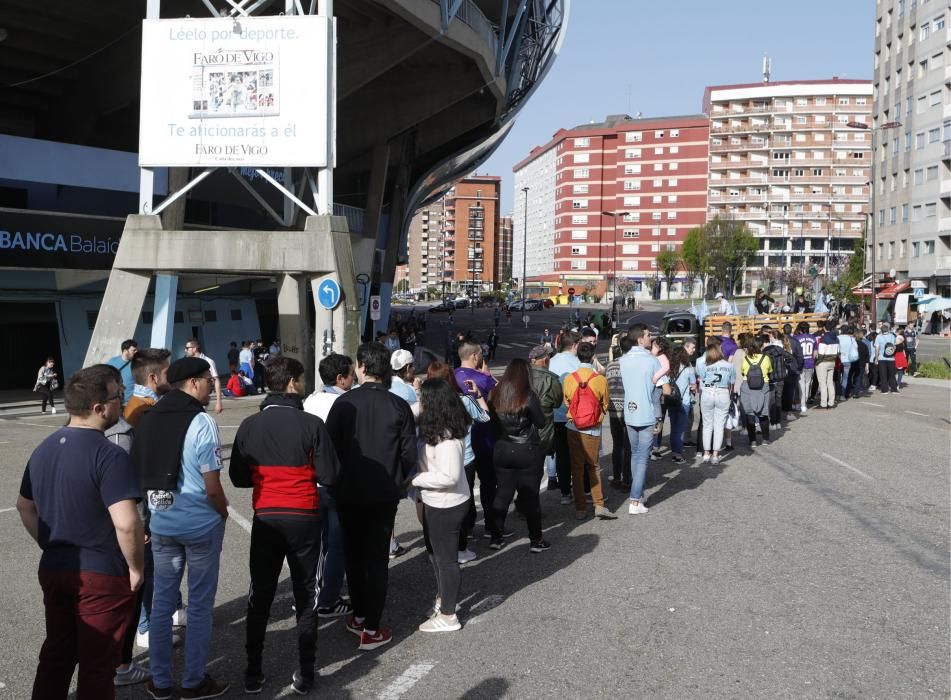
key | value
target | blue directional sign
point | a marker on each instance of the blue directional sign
(328, 294)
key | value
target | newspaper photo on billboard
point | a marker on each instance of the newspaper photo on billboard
(216, 92)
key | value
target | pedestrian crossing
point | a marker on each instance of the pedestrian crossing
(513, 345)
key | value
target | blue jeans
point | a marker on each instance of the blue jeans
(678, 419)
(642, 439)
(202, 553)
(330, 568)
(844, 379)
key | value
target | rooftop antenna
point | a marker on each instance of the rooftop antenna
(767, 67)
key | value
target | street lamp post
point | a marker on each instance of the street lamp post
(865, 127)
(524, 248)
(614, 309)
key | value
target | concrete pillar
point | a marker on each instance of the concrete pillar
(294, 320)
(118, 314)
(163, 315)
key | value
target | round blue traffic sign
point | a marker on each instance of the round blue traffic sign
(328, 294)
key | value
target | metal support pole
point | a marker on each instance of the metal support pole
(524, 249)
(163, 311)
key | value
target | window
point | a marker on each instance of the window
(655, 247)
(922, 104)
(934, 135)
(904, 212)
(935, 98)
(672, 182)
(655, 231)
(674, 166)
(674, 133)
(579, 218)
(578, 264)
(656, 216)
(582, 157)
(881, 217)
(916, 249)
(179, 317)
(580, 189)
(631, 249)
(817, 172)
(929, 247)
(632, 153)
(925, 31)
(91, 317)
(843, 100)
(671, 199)
(939, 23)
(800, 119)
(919, 140)
(631, 233)
(895, 147)
(891, 249)
(579, 235)
(919, 176)
(632, 169)
(579, 204)
(658, 167)
(892, 215)
(659, 134)
(632, 201)
(858, 101)
(211, 316)
(659, 151)
(658, 182)
(931, 210)
(632, 136)
(671, 231)
(671, 215)
(916, 213)
(932, 173)
(579, 250)
(632, 185)
(582, 173)
(582, 142)
(922, 67)
(907, 141)
(657, 199)
(632, 216)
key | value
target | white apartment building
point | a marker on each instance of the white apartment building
(537, 172)
(785, 161)
(911, 172)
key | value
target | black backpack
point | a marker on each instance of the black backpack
(754, 375)
(889, 350)
(777, 357)
(674, 399)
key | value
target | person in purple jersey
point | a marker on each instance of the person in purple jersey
(727, 344)
(807, 343)
(475, 383)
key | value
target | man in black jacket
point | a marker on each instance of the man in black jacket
(375, 436)
(283, 452)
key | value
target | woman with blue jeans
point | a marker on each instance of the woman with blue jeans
(683, 376)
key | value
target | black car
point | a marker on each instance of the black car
(442, 306)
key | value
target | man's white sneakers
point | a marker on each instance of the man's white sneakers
(636, 508)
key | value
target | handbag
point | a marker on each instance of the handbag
(732, 416)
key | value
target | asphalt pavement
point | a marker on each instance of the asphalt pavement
(815, 567)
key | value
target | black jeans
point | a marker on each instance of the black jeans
(487, 485)
(912, 356)
(518, 468)
(886, 377)
(273, 540)
(468, 522)
(367, 529)
(775, 403)
(621, 451)
(441, 527)
(790, 386)
(751, 427)
(562, 459)
(46, 391)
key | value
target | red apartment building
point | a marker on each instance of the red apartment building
(624, 190)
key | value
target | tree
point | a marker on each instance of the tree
(731, 246)
(667, 262)
(695, 256)
(402, 286)
(432, 292)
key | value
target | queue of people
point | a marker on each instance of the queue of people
(128, 496)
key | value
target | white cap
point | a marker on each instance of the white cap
(400, 358)
(718, 295)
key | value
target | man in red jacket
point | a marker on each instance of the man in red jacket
(282, 453)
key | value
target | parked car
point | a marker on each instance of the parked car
(530, 305)
(462, 303)
(442, 306)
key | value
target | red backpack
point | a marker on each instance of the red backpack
(585, 408)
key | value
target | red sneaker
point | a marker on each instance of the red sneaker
(377, 639)
(354, 626)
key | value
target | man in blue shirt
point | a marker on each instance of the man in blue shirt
(401, 382)
(189, 510)
(561, 365)
(848, 353)
(638, 367)
(123, 363)
(885, 345)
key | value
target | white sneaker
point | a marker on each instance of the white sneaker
(804, 411)
(466, 555)
(142, 640)
(54, 411)
(636, 508)
(438, 623)
(715, 459)
(706, 458)
(438, 604)
(180, 617)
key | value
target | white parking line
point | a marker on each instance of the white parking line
(915, 413)
(876, 405)
(847, 466)
(240, 519)
(503, 345)
(405, 682)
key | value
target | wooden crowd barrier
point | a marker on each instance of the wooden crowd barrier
(712, 325)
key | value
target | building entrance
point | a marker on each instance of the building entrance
(29, 333)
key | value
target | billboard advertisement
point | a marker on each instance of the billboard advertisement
(224, 92)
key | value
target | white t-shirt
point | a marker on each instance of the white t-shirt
(319, 403)
(211, 364)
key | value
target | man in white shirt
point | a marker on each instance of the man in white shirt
(724, 309)
(193, 349)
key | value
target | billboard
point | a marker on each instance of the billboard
(224, 92)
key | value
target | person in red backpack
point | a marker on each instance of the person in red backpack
(587, 397)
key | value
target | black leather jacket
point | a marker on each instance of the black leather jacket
(520, 428)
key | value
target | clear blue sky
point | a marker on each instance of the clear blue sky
(656, 57)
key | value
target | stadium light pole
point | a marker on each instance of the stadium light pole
(865, 127)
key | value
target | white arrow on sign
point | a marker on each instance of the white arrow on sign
(329, 290)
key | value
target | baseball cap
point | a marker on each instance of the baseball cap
(400, 358)
(718, 295)
(186, 368)
(538, 352)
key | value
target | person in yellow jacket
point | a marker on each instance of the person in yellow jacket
(584, 436)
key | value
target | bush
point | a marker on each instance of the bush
(935, 370)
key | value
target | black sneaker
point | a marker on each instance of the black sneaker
(506, 532)
(254, 683)
(726, 448)
(539, 546)
(338, 609)
(496, 543)
(553, 485)
(677, 459)
(157, 693)
(302, 684)
(398, 552)
(208, 688)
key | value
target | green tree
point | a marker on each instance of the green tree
(402, 286)
(731, 247)
(667, 262)
(432, 292)
(695, 256)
